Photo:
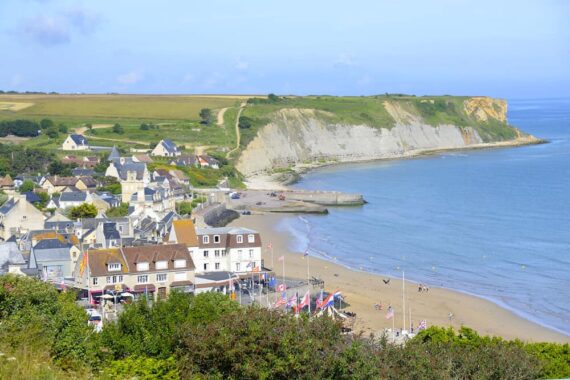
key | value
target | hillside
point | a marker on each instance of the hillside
(290, 132)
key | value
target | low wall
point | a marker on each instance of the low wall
(326, 198)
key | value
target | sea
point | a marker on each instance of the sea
(493, 223)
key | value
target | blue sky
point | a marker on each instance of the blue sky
(514, 49)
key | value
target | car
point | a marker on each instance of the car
(246, 212)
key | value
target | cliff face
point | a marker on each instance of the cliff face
(301, 136)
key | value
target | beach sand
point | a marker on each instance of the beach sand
(362, 290)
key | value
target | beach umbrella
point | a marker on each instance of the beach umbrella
(107, 297)
(127, 294)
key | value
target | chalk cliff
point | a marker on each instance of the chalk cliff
(295, 136)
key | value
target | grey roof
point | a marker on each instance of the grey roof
(130, 166)
(169, 145)
(114, 155)
(51, 244)
(59, 225)
(51, 250)
(92, 223)
(110, 231)
(7, 206)
(79, 139)
(215, 276)
(79, 172)
(224, 230)
(73, 196)
(10, 255)
(32, 197)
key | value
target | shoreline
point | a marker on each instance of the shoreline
(283, 181)
(363, 289)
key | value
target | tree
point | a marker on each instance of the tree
(244, 122)
(118, 129)
(119, 211)
(59, 168)
(84, 210)
(46, 124)
(52, 133)
(144, 127)
(273, 98)
(26, 186)
(62, 128)
(184, 208)
(205, 115)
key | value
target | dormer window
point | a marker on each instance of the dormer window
(240, 239)
(205, 239)
(216, 238)
(179, 263)
(251, 238)
(162, 264)
(143, 266)
(114, 267)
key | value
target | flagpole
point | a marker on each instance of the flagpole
(403, 300)
(393, 328)
(309, 282)
(284, 276)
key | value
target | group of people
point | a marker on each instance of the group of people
(422, 288)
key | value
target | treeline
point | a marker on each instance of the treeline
(21, 128)
(12, 92)
(271, 99)
(211, 337)
(15, 159)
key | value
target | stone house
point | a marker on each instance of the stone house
(75, 142)
(17, 216)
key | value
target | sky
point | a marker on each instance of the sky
(510, 49)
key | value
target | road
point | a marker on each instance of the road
(238, 136)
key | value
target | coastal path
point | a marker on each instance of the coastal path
(238, 136)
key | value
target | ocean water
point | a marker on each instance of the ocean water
(494, 223)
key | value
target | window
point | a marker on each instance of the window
(113, 267)
(162, 264)
(251, 238)
(239, 253)
(240, 239)
(217, 253)
(121, 278)
(224, 252)
(205, 239)
(142, 266)
(206, 253)
(250, 253)
(217, 265)
(237, 267)
(121, 229)
(95, 280)
(216, 238)
(161, 277)
(180, 276)
(205, 266)
(108, 280)
(181, 263)
(142, 279)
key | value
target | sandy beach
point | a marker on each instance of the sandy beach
(362, 290)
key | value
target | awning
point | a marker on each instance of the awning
(180, 284)
(119, 287)
(144, 287)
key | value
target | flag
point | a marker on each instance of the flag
(328, 302)
(281, 301)
(304, 301)
(269, 246)
(390, 313)
(281, 258)
(251, 264)
(319, 300)
(306, 253)
(281, 287)
(422, 325)
(83, 263)
(337, 294)
(292, 301)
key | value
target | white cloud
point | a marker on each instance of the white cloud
(241, 65)
(131, 77)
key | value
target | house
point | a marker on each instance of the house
(166, 148)
(81, 162)
(11, 259)
(91, 233)
(179, 177)
(121, 167)
(107, 235)
(59, 222)
(17, 216)
(229, 249)
(186, 160)
(153, 270)
(184, 232)
(73, 199)
(104, 201)
(32, 197)
(7, 184)
(206, 161)
(75, 142)
(57, 184)
(54, 259)
(142, 158)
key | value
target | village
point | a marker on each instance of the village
(153, 248)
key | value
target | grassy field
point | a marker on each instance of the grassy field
(114, 108)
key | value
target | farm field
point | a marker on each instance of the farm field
(111, 108)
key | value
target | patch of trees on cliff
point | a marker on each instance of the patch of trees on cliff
(21, 128)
